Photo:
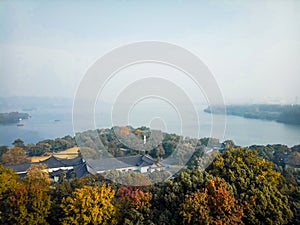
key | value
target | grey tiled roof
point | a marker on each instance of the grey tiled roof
(72, 162)
(20, 167)
(81, 170)
(82, 167)
(120, 162)
(107, 164)
(53, 162)
(147, 160)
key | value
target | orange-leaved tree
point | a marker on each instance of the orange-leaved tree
(213, 205)
(134, 204)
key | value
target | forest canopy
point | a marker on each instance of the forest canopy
(239, 187)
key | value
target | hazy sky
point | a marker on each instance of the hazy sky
(251, 47)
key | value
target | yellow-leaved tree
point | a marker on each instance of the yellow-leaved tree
(8, 181)
(90, 205)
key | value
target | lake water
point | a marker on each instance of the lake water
(53, 122)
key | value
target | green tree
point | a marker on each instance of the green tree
(290, 188)
(90, 205)
(37, 150)
(18, 143)
(168, 197)
(157, 152)
(254, 182)
(169, 144)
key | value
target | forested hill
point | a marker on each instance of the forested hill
(289, 114)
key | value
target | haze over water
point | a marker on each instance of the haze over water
(252, 48)
(242, 131)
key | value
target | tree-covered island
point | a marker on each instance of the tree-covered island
(12, 117)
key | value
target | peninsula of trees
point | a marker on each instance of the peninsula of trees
(289, 114)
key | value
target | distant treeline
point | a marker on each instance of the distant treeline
(12, 117)
(289, 114)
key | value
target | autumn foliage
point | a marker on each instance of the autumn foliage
(15, 155)
(134, 197)
(237, 188)
(24, 201)
(123, 131)
(90, 205)
(213, 205)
